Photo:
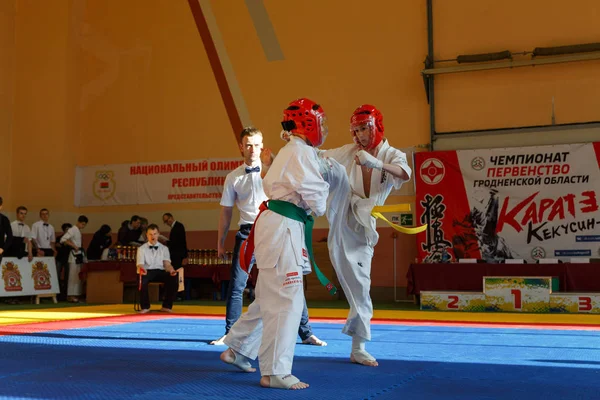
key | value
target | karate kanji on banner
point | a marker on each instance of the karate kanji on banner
(496, 204)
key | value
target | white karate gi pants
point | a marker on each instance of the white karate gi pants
(350, 252)
(74, 284)
(270, 326)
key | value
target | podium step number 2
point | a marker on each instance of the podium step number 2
(453, 301)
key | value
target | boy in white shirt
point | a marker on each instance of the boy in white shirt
(20, 229)
(43, 235)
(154, 264)
(73, 239)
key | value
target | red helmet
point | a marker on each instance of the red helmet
(368, 115)
(307, 118)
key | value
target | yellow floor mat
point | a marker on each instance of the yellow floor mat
(11, 317)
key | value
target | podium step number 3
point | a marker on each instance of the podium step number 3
(586, 303)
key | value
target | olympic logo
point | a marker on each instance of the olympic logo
(104, 186)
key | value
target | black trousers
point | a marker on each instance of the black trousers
(176, 262)
(48, 252)
(159, 275)
(15, 252)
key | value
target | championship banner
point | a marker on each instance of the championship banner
(149, 183)
(21, 277)
(512, 203)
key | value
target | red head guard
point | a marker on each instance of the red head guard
(368, 115)
(307, 118)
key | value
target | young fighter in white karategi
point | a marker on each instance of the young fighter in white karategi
(374, 168)
(296, 189)
(244, 188)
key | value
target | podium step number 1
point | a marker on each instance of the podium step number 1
(520, 294)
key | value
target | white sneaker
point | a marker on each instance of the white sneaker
(219, 342)
(144, 311)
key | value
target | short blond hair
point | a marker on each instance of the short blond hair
(249, 131)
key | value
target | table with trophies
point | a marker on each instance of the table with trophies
(106, 279)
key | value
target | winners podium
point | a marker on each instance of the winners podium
(531, 294)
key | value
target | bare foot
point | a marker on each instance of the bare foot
(219, 342)
(237, 360)
(315, 341)
(282, 382)
(363, 358)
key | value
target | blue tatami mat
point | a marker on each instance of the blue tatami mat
(171, 359)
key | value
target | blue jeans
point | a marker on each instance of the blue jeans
(237, 284)
(304, 330)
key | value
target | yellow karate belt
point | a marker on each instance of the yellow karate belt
(378, 210)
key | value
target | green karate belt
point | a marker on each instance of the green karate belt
(296, 213)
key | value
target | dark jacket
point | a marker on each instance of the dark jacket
(99, 242)
(126, 235)
(62, 250)
(6, 235)
(177, 244)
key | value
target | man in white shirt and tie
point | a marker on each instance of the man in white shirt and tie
(43, 235)
(154, 264)
(20, 229)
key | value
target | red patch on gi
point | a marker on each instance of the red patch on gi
(291, 274)
(304, 253)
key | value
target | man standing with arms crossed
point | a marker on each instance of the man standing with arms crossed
(21, 236)
(43, 235)
(243, 188)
